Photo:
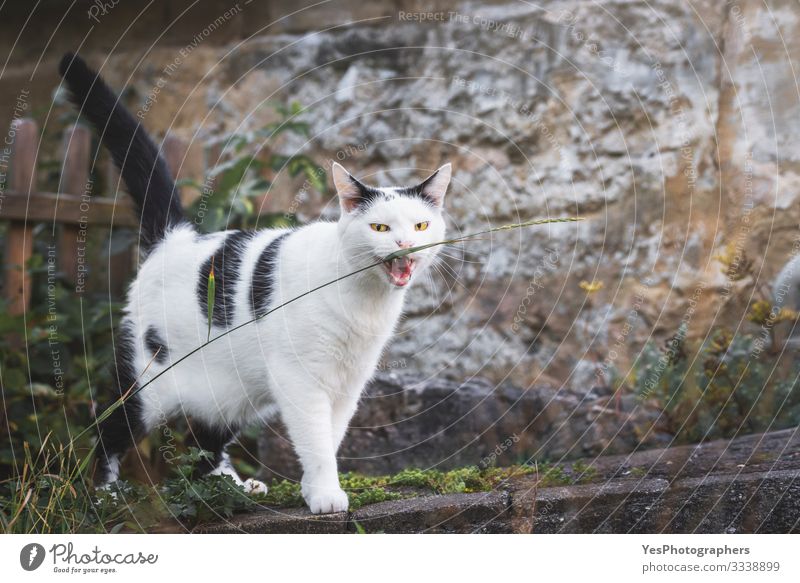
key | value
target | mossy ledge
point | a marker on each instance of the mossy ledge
(411, 483)
(751, 483)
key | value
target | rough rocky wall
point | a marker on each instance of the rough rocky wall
(671, 126)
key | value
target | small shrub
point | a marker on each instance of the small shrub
(728, 386)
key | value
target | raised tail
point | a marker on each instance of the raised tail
(142, 168)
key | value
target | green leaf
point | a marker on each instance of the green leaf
(211, 294)
(189, 182)
(254, 187)
(278, 161)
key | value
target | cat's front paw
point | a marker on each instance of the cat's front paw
(252, 486)
(325, 500)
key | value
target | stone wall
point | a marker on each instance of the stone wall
(673, 127)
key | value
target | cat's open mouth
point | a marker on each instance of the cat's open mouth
(400, 270)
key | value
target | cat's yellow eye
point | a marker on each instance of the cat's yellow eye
(421, 226)
(379, 227)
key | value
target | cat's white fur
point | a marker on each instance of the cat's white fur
(307, 362)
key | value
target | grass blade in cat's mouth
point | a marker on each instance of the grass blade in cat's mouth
(400, 270)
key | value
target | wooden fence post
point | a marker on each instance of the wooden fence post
(19, 239)
(175, 152)
(122, 264)
(74, 180)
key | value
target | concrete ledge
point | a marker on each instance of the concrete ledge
(746, 485)
(484, 512)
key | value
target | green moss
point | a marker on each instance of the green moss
(553, 476)
(371, 496)
(364, 490)
(354, 481)
(283, 493)
(638, 472)
(585, 473)
(469, 479)
(763, 457)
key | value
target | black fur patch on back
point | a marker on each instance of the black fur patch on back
(263, 277)
(154, 344)
(227, 262)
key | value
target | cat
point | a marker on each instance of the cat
(307, 362)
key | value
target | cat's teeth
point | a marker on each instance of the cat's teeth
(400, 270)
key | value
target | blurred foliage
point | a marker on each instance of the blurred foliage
(51, 361)
(240, 176)
(725, 386)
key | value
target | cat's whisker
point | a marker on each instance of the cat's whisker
(449, 269)
(447, 295)
(449, 276)
(441, 262)
(460, 259)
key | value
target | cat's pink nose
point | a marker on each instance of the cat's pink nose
(404, 244)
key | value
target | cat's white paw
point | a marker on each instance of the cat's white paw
(326, 500)
(108, 488)
(252, 486)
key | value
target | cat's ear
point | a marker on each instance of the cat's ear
(351, 192)
(434, 187)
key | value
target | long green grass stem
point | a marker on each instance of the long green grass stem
(395, 255)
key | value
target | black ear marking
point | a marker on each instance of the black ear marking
(434, 187)
(354, 195)
(366, 194)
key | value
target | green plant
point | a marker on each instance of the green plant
(192, 500)
(241, 174)
(584, 472)
(52, 494)
(638, 472)
(51, 362)
(718, 389)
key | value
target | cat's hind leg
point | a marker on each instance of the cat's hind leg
(116, 434)
(125, 426)
(215, 440)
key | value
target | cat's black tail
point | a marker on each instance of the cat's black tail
(142, 168)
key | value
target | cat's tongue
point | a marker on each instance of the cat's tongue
(400, 270)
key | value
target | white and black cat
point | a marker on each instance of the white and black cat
(307, 362)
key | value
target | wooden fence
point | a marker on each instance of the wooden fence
(75, 208)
